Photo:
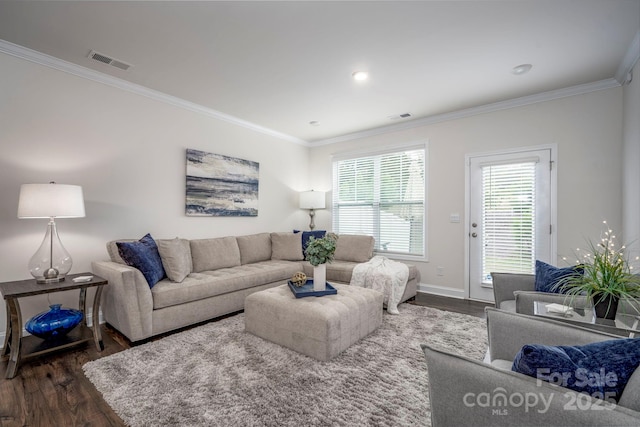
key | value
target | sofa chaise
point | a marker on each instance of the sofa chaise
(218, 274)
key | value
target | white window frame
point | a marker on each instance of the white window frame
(422, 145)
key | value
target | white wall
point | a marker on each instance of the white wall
(128, 153)
(631, 184)
(588, 132)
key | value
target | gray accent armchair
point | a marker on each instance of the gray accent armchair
(466, 392)
(517, 293)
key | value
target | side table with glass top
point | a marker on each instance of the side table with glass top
(18, 348)
(624, 324)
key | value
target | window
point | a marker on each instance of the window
(382, 195)
(508, 217)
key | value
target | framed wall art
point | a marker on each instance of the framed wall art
(220, 185)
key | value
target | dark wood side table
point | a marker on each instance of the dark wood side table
(19, 348)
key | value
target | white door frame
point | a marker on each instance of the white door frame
(553, 203)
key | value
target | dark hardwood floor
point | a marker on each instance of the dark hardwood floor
(472, 308)
(53, 391)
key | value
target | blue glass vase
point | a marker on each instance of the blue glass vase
(54, 323)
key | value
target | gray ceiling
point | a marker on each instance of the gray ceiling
(281, 65)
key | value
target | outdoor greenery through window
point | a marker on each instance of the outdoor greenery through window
(383, 196)
(508, 218)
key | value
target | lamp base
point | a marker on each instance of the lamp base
(52, 262)
(312, 224)
(42, 280)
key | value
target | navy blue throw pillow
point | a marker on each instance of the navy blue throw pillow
(144, 256)
(316, 234)
(548, 276)
(600, 369)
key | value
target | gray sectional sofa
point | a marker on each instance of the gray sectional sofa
(218, 274)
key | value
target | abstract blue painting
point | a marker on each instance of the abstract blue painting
(221, 185)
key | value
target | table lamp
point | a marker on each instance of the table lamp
(312, 200)
(51, 262)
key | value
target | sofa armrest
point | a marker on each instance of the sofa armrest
(127, 303)
(466, 392)
(525, 300)
(508, 332)
(505, 284)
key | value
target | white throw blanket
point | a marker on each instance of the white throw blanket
(385, 276)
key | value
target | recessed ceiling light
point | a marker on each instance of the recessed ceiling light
(521, 69)
(360, 75)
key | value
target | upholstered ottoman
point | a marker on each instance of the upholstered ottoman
(320, 327)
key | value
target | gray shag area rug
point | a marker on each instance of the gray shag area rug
(219, 375)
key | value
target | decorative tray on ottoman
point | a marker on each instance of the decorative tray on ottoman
(306, 290)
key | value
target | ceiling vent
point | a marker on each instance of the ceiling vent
(400, 116)
(96, 56)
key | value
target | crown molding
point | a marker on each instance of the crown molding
(96, 76)
(474, 111)
(629, 60)
(625, 67)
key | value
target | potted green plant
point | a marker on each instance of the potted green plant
(607, 278)
(319, 252)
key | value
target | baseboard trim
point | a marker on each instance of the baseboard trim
(3, 334)
(441, 290)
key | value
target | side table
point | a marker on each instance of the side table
(19, 348)
(624, 324)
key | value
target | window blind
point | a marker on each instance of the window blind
(382, 196)
(508, 218)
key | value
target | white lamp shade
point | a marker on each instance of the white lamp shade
(312, 200)
(50, 200)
